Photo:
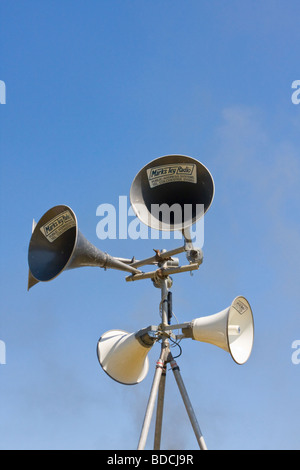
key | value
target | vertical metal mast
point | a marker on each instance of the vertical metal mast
(165, 345)
(158, 385)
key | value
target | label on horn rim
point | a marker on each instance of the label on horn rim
(58, 225)
(172, 173)
(240, 307)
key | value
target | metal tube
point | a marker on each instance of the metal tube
(188, 405)
(178, 326)
(165, 348)
(159, 410)
(153, 259)
(151, 401)
(164, 272)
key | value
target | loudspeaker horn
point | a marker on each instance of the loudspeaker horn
(31, 280)
(172, 192)
(231, 329)
(123, 356)
(56, 245)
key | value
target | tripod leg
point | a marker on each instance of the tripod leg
(188, 405)
(159, 410)
(151, 403)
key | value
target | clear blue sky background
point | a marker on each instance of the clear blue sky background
(95, 90)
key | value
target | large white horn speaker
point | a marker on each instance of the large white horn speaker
(231, 329)
(123, 356)
(172, 192)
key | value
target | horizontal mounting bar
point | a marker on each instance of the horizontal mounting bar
(153, 259)
(156, 332)
(163, 272)
(179, 326)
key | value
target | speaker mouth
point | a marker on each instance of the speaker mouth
(240, 346)
(52, 243)
(172, 192)
(125, 365)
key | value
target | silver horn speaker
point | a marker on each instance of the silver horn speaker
(56, 245)
(31, 280)
(231, 329)
(172, 192)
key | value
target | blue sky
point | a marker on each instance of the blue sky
(94, 91)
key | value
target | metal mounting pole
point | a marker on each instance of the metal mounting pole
(159, 410)
(156, 384)
(188, 405)
(165, 344)
(151, 401)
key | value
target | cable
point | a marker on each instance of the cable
(176, 344)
